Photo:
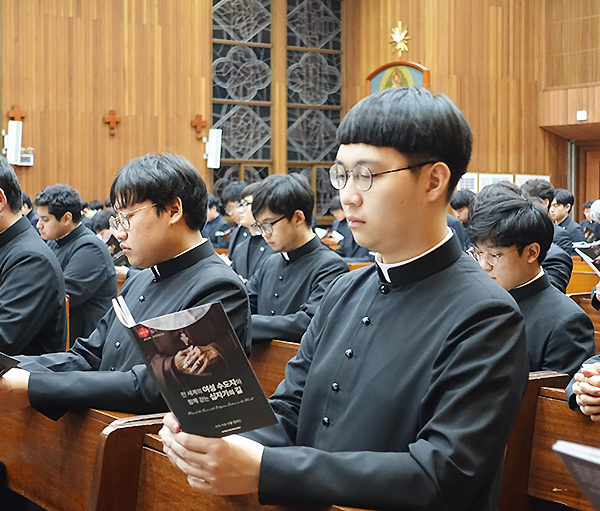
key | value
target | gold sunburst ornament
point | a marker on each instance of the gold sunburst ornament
(399, 39)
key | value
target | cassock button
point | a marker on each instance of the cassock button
(276, 295)
(280, 277)
(349, 353)
(366, 321)
(335, 386)
(262, 249)
(384, 289)
(142, 298)
(112, 368)
(272, 313)
(117, 344)
(326, 421)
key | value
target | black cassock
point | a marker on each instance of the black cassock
(238, 236)
(574, 230)
(285, 293)
(560, 335)
(106, 370)
(90, 278)
(249, 256)
(219, 224)
(558, 264)
(32, 293)
(403, 394)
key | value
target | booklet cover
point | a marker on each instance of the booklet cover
(7, 363)
(114, 247)
(201, 369)
(583, 463)
(590, 253)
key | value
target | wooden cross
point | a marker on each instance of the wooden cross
(16, 114)
(199, 124)
(112, 120)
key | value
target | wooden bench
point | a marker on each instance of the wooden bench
(549, 480)
(513, 490)
(582, 281)
(268, 360)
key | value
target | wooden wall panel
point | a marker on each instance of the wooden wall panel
(485, 54)
(68, 62)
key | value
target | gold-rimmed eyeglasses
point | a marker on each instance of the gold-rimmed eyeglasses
(121, 219)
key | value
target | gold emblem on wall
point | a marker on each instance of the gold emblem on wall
(400, 39)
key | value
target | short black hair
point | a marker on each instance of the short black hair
(10, 185)
(26, 200)
(96, 204)
(335, 204)
(60, 199)
(461, 199)
(161, 178)
(564, 197)
(100, 220)
(250, 190)
(107, 203)
(539, 188)
(414, 122)
(508, 218)
(283, 194)
(213, 201)
(231, 193)
(588, 204)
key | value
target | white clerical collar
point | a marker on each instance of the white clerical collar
(538, 276)
(385, 267)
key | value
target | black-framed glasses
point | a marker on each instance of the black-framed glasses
(266, 228)
(243, 205)
(121, 219)
(362, 175)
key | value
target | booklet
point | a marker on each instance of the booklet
(114, 247)
(583, 462)
(7, 363)
(590, 253)
(201, 369)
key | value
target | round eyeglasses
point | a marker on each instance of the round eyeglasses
(266, 228)
(121, 219)
(361, 174)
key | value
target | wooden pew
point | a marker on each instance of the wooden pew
(51, 463)
(513, 490)
(549, 480)
(268, 360)
(582, 281)
(585, 302)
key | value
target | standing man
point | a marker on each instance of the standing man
(32, 288)
(88, 269)
(408, 380)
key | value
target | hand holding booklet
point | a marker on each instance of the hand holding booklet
(7, 363)
(201, 369)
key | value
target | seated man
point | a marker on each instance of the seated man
(511, 235)
(460, 201)
(160, 202)
(545, 191)
(409, 378)
(28, 211)
(216, 226)
(87, 266)
(560, 209)
(230, 198)
(252, 251)
(351, 251)
(286, 290)
(32, 288)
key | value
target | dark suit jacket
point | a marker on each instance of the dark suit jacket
(558, 265)
(574, 230)
(563, 240)
(214, 226)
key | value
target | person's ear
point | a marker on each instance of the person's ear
(3, 201)
(532, 252)
(298, 217)
(437, 177)
(66, 218)
(568, 208)
(175, 210)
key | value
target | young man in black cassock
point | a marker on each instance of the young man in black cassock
(288, 287)
(160, 202)
(215, 225)
(410, 375)
(560, 210)
(32, 288)
(512, 235)
(87, 266)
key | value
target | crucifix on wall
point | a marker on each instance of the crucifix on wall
(112, 120)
